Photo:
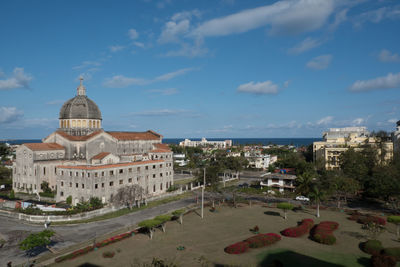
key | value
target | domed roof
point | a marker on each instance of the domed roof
(80, 107)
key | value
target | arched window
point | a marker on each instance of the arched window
(90, 124)
(73, 123)
(79, 123)
(84, 123)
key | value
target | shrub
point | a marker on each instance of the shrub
(366, 218)
(383, 261)
(108, 254)
(372, 247)
(237, 248)
(69, 200)
(303, 228)
(323, 232)
(262, 240)
(393, 252)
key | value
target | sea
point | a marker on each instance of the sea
(297, 142)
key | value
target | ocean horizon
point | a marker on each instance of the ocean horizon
(297, 142)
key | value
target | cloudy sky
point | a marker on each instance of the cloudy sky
(218, 68)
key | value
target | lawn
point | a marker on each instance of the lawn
(205, 240)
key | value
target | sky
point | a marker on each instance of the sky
(217, 68)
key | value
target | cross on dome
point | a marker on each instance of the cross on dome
(81, 89)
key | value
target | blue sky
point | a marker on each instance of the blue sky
(218, 68)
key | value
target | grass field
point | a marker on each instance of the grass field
(205, 239)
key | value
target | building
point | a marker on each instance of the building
(82, 160)
(204, 143)
(180, 159)
(396, 138)
(338, 140)
(259, 160)
(281, 182)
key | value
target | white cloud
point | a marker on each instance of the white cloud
(259, 88)
(387, 56)
(138, 44)
(116, 48)
(358, 121)
(286, 84)
(284, 17)
(325, 120)
(340, 17)
(120, 81)
(173, 30)
(133, 34)
(305, 45)
(320, 62)
(186, 15)
(392, 120)
(86, 64)
(386, 82)
(168, 91)
(19, 79)
(376, 16)
(10, 114)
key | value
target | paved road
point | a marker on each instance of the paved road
(68, 235)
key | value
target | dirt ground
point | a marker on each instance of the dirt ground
(205, 239)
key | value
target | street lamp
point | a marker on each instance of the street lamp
(202, 194)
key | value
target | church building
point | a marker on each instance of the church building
(82, 160)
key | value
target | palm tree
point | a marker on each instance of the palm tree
(317, 195)
(304, 183)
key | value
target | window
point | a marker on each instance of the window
(70, 184)
(166, 173)
(154, 188)
(111, 183)
(111, 173)
(88, 175)
(121, 181)
(96, 174)
(83, 185)
(138, 169)
(70, 173)
(147, 167)
(138, 178)
(102, 173)
(121, 170)
(160, 165)
(55, 170)
(76, 185)
(154, 166)
(83, 174)
(161, 186)
(160, 174)
(102, 185)
(62, 172)
(44, 170)
(62, 193)
(62, 183)
(154, 176)
(166, 185)
(130, 180)
(130, 170)
(76, 174)
(95, 186)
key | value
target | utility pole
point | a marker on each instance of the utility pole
(202, 194)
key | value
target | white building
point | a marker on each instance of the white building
(282, 182)
(260, 161)
(180, 159)
(204, 142)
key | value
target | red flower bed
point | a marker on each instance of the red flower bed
(237, 248)
(113, 239)
(303, 228)
(367, 218)
(262, 240)
(323, 232)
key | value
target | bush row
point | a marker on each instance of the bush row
(303, 228)
(323, 232)
(257, 241)
(87, 249)
(366, 218)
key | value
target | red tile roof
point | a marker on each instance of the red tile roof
(77, 138)
(125, 136)
(101, 155)
(88, 167)
(161, 148)
(44, 146)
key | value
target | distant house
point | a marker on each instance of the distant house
(282, 182)
(204, 142)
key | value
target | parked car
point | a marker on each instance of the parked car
(302, 198)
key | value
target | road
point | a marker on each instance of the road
(67, 235)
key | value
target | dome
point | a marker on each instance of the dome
(80, 107)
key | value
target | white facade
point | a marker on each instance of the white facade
(205, 142)
(282, 182)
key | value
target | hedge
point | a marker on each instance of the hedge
(367, 218)
(303, 228)
(382, 261)
(394, 252)
(372, 247)
(237, 248)
(262, 240)
(323, 232)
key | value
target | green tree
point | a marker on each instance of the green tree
(285, 207)
(304, 183)
(163, 219)
(35, 240)
(150, 225)
(317, 195)
(95, 203)
(69, 200)
(45, 187)
(179, 213)
(354, 164)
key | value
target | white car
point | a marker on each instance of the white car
(302, 198)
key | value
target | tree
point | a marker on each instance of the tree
(129, 195)
(304, 183)
(12, 194)
(179, 213)
(285, 207)
(95, 203)
(354, 164)
(36, 240)
(396, 220)
(69, 200)
(317, 195)
(150, 225)
(163, 219)
(45, 187)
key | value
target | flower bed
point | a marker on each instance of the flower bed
(303, 228)
(87, 249)
(323, 232)
(262, 240)
(366, 218)
(257, 241)
(237, 248)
